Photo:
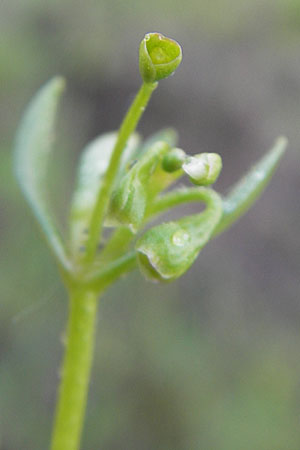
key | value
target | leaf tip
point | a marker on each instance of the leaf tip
(281, 144)
(58, 84)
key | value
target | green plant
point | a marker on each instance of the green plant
(121, 185)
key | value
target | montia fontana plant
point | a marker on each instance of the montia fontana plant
(122, 185)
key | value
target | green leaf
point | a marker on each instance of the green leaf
(249, 188)
(166, 251)
(33, 147)
(92, 167)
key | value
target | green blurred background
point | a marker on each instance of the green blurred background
(210, 362)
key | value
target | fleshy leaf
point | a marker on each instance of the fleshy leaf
(166, 251)
(93, 164)
(33, 147)
(249, 188)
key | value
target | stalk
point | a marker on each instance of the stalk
(83, 302)
(127, 128)
(76, 368)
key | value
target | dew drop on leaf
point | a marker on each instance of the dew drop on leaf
(180, 238)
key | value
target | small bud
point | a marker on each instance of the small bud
(129, 200)
(173, 160)
(128, 204)
(159, 57)
(203, 169)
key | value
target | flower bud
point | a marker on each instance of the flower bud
(159, 57)
(128, 204)
(130, 199)
(173, 160)
(203, 169)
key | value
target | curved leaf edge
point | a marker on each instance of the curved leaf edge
(249, 188)
(34, 142)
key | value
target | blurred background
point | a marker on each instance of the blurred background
(210, 362)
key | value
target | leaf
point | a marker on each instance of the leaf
(93, 164)
(33, 147)
(166, 251)
(249, 188)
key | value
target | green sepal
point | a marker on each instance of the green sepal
(168, 250)
(159, 57)
(92, 168)
(129, 200)
(243, 194)
(34, 145)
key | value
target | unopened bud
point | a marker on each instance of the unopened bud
(173, 160)
(203, 169)
(159, 57)
(129, 200)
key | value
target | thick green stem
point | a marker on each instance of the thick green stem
(128, 126)
(75, 371)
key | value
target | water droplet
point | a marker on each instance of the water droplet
(180, 237)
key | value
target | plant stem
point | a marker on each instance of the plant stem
(183, 195)
(83, 302)
(128, 126)
(76, 370)
(103, 277)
